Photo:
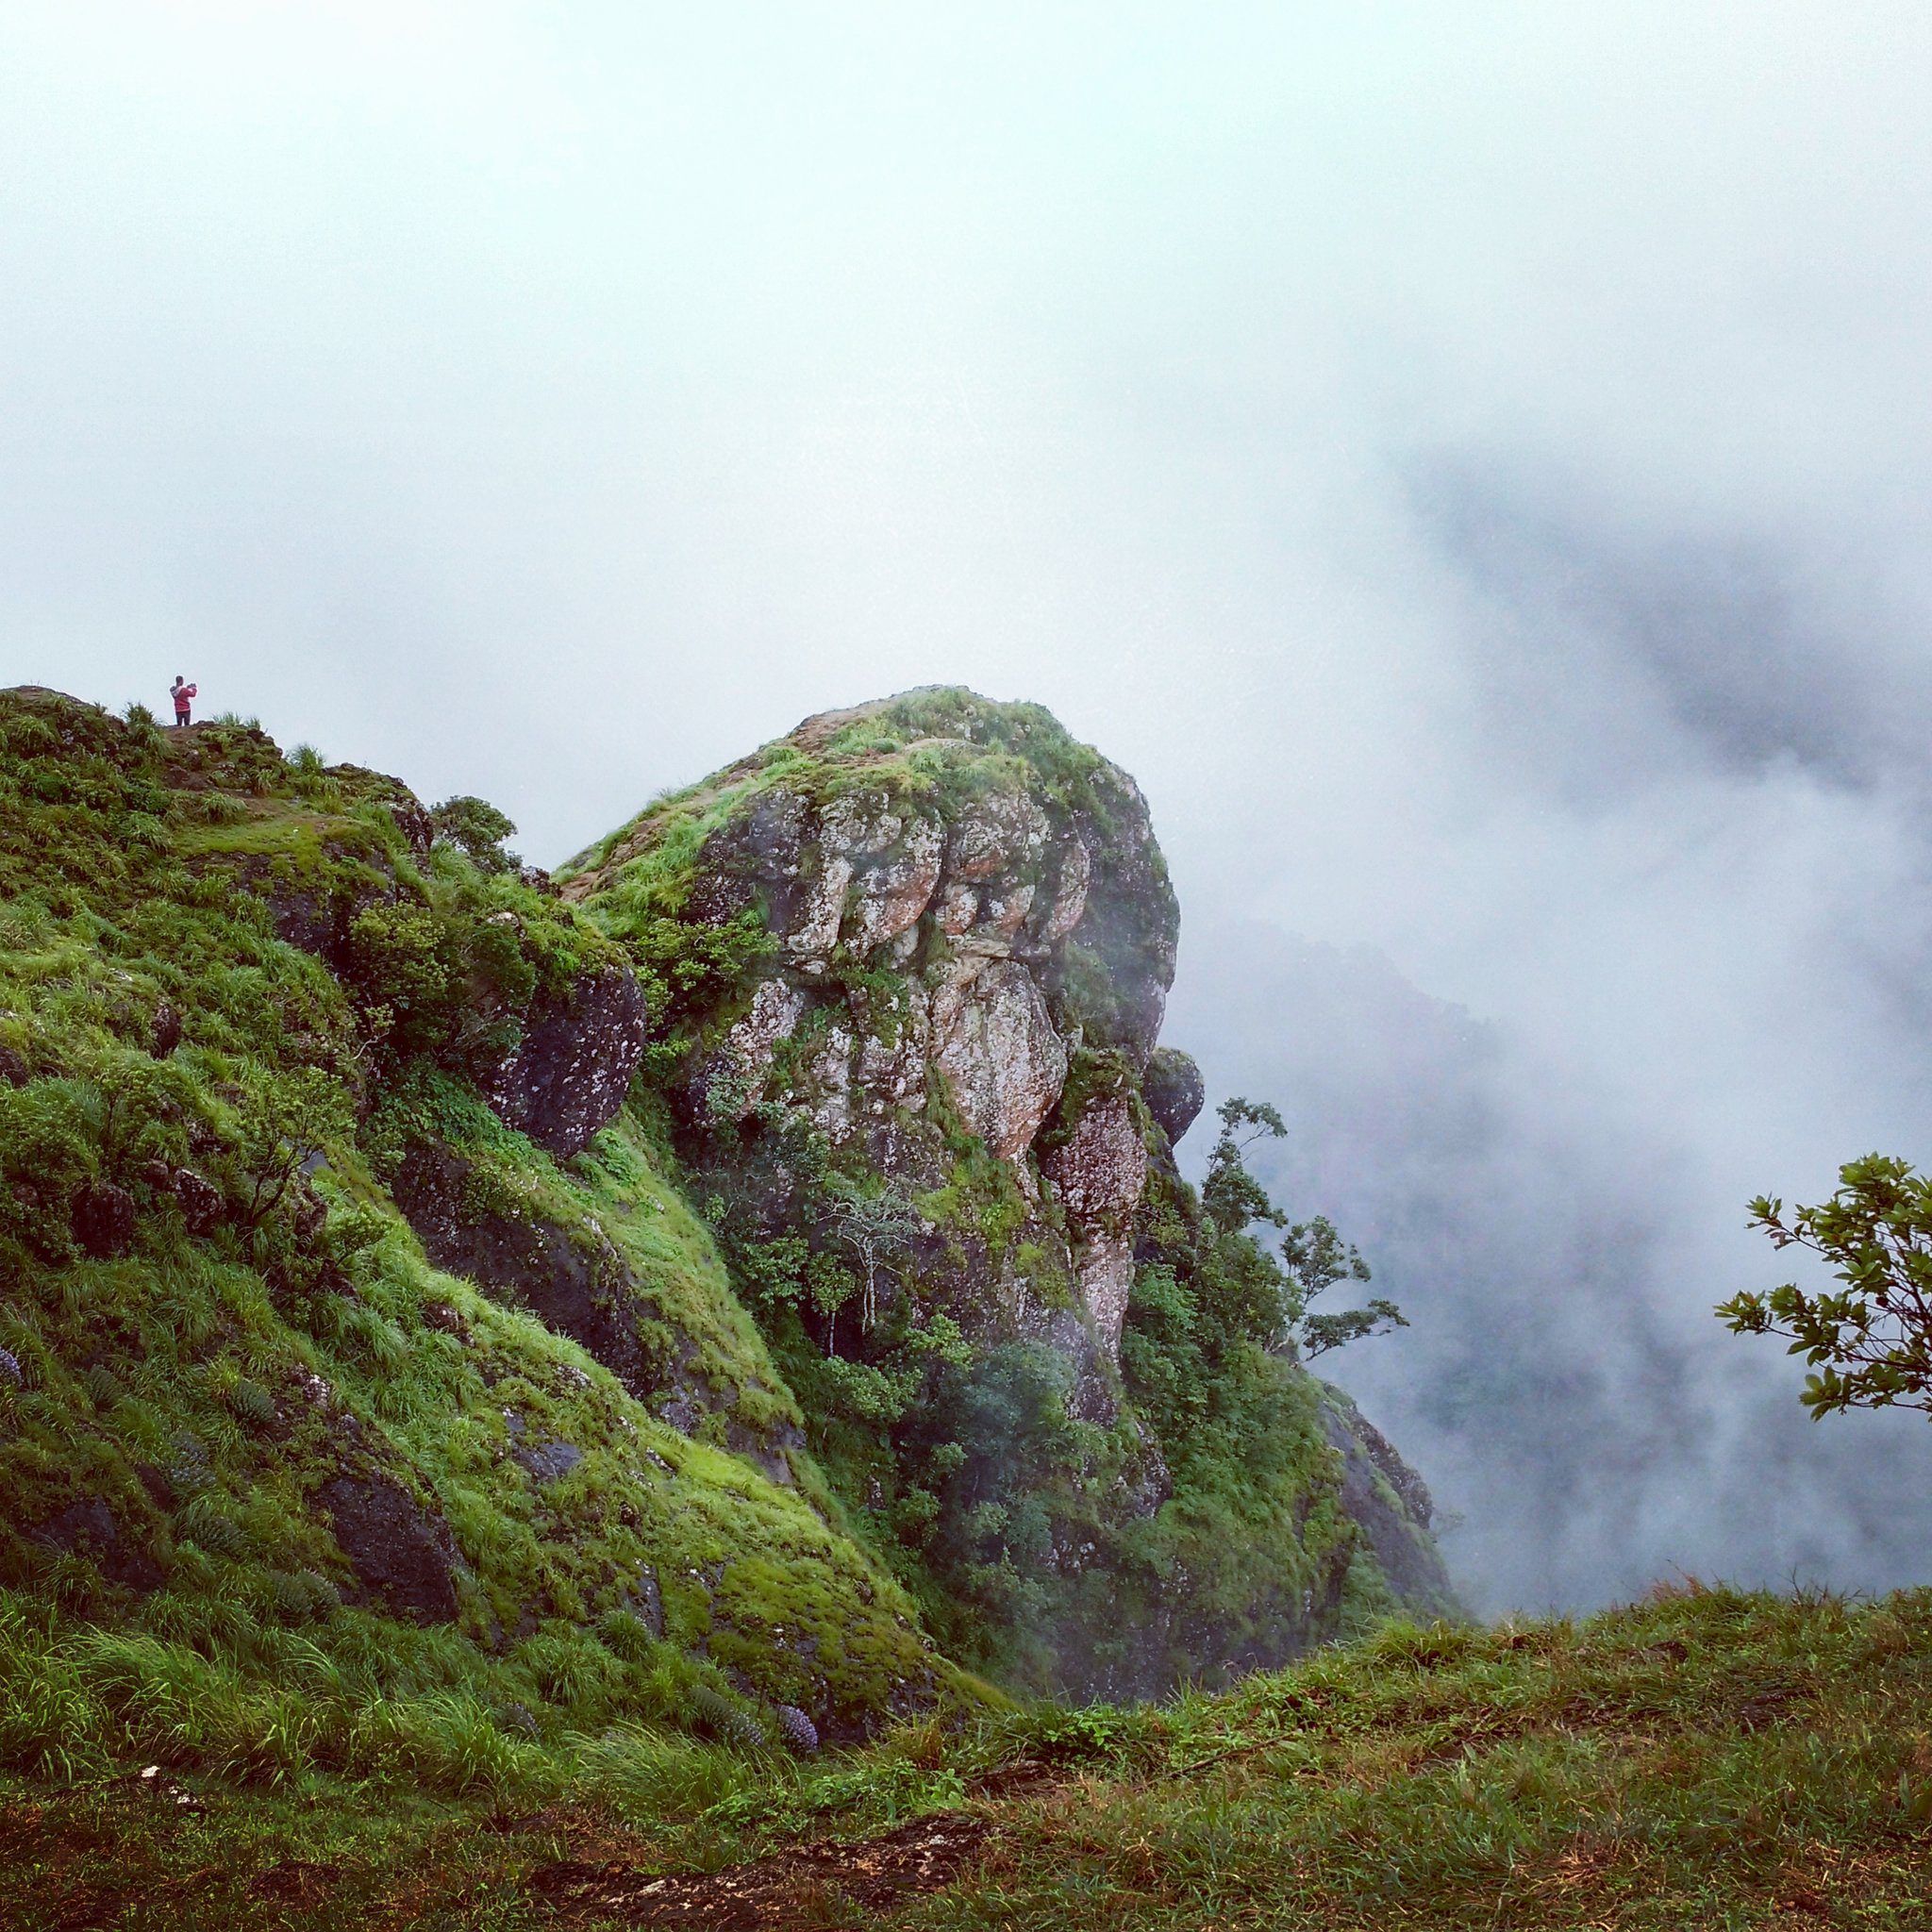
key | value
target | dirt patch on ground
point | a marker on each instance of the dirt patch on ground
(779, 1890)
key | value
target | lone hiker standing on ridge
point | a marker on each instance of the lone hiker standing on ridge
(183, 695)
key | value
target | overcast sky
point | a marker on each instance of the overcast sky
(1474, 465)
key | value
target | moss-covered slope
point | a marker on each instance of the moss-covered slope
(247, 1005)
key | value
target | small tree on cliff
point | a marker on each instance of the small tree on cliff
(1275, 1296)
(1870, 1341)
(476, 828)
(1317, 1257)
(286, 1118)
(877, 1228)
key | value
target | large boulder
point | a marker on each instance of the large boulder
(403, 1557)
(570, 1071)
(1174, 1091)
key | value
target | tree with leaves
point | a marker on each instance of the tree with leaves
(1870, 1342)
(476, 828)
(286, 1118)
(1317, 1257)
(1314, 1256)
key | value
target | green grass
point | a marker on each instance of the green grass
(200, 1387)
(1704, 1759)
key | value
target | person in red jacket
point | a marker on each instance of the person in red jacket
(183, 695)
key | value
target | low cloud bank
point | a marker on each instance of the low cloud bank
(1587, 1425)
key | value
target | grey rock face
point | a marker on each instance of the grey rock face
(1100, 1173)
(996, 1045)
(644, 1599)
(572, 1282)
(1391, 1503)
(573, 1279)
(199, 1200)
(570, 1073)
(166, 1033)
(1173, 1091)
(548, 1461)
(404, 1558)
(736, 1076)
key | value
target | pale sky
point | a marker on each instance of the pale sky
(1474, 465)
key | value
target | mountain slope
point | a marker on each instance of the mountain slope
(688, 1296)
(237, 995)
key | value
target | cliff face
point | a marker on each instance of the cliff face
(912, 960)
(971, 936)
(694, 1285)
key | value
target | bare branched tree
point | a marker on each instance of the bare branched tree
(875, 1227)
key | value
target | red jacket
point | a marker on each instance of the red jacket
(182, 693)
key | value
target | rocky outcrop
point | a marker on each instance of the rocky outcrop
(960, 908)
(1392, 1505)
(403, 1557)
(570, 1071)
(1173, 1091)
(919, 954)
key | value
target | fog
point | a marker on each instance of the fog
(1475, 472)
